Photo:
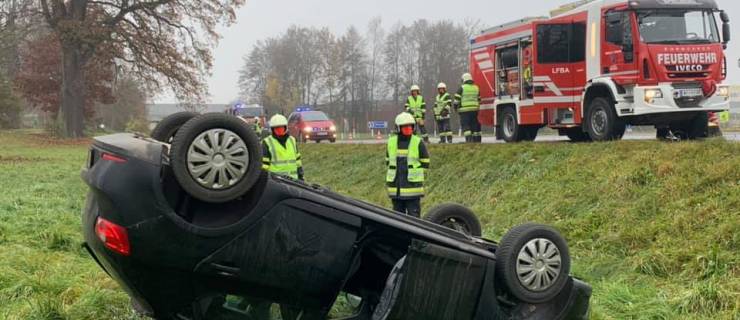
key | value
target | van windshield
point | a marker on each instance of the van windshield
(677, 26)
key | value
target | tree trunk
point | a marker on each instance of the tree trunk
(72, 109)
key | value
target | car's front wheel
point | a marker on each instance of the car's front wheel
(216, 158)
(533, 263)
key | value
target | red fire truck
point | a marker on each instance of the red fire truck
(595, 67)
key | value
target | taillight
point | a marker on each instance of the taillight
(113, 236)
(112, 158)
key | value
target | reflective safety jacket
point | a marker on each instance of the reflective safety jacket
(468, 97)
(417, 107)
(282, 159)
(443, 106)
(407, 158)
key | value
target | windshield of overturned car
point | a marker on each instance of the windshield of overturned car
(678, 26)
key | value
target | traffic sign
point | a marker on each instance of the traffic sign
(377, 125)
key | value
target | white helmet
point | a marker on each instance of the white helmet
(415, 88)
(467, 77)
(405, 119)
(442, 85)
(278, 120)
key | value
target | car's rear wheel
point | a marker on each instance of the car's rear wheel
(216, 158)
(456, 217)
(167, 128)
(533, 263)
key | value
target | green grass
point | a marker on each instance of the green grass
(654, 227)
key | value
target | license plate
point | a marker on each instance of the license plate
(322, 133)
(687, 93)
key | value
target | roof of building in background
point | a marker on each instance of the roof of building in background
(157, 112)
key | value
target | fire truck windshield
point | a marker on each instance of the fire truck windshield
(677, 26)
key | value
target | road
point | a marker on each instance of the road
(730, 136)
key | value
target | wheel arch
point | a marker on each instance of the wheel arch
(597, 89)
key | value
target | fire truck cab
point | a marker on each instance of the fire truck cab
(594, 67)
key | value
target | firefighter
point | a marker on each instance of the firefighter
(467, 103)
(280, 151)
(416, 106)
(406, 158)
(257, 126)
(442, 110)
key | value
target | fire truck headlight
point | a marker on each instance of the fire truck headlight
(723, 91)
(652, 94)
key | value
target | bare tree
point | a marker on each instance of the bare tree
(158, 41)
(376, 42)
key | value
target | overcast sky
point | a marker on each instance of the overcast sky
(260, 19)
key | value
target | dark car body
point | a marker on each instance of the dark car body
(312, 126)
(285, 242)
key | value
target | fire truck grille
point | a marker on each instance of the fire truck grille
(688, 102)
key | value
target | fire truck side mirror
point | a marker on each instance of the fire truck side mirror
(726, 34)
(724, 16)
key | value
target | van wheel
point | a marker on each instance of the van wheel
(216, 158)
(167, 128)
(510, 129)
(455, 217)
(533, 263)
(602, 122)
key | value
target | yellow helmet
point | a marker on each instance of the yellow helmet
(405, 119)
(467, 77)
(278, 120)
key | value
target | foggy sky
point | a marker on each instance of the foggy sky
(260, 19)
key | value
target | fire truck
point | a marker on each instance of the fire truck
(594, 67)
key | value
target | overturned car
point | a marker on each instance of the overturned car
(191, 228)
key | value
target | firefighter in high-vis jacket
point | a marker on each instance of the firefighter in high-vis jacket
(417, 107)
(467, 103)
(442, 111)
(407, 160)
(280, 151)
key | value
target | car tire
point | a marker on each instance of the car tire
(456, 217)
(602, 122)
(530, 252)
(167, 128)
(510, 129)
(208, 172)
(577, 135)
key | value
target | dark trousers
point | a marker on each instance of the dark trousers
(411, 207)
(423, 133)
(470, 126)
(445, 130)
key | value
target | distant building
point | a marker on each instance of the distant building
(156, 112)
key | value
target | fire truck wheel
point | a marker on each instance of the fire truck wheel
(698, 128)
(456, 217)
(602, 122)
(510, 129)
(167, 128)
(533, 263)
(577, 135)
(216, 157)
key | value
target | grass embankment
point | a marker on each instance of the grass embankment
(654, 227)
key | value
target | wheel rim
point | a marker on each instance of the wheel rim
(538, 264)
(509, 123)
(218, 159)
(455, 224)
(599, 121)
